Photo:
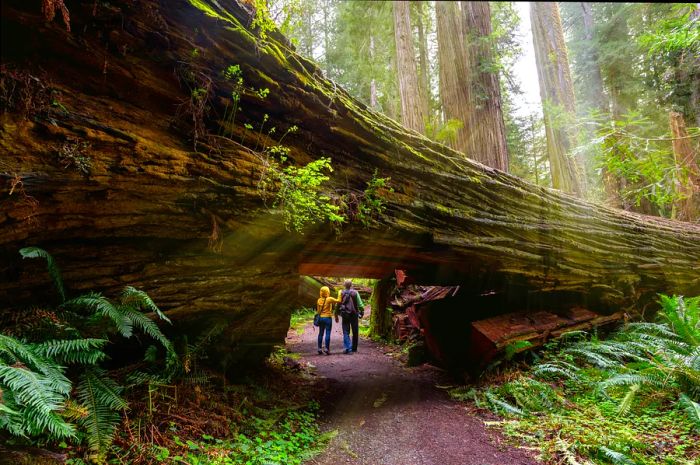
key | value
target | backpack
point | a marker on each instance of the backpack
(347, 305)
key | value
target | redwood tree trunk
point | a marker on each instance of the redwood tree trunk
(596, 98)
(557, 92)
(688, 208)
(423, 59)
(487, 132)
(594, 79)
(412, 112)
(453, 67)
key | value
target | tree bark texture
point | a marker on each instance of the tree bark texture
(413, 114)
(596, 98)
(557, 93)
(453, 67)
(485, 126)
(423, 61)
(107, 181)
(594, 79)
(686, 157)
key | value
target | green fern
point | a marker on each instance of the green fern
(137, 319)
(692, 410)
(683, 316)
(618, 458)
(500, 406)
(556, 369)
(626, 402)
(100, 305)
(72, 351)
(54, 271)
(139, 299)
(33, 390)
(100, 395)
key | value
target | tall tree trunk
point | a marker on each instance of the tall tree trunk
(594, 80)
(373, 82)
(596, 99)
(557, 93)
(326, 37)
(695, 88)
(452, 62)
(686, 158)
(381, 316)
(412, 115)
(423, 59)
(487, 131)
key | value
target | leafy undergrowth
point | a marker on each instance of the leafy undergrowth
(268, 419)
(630, 399)
(301, 318)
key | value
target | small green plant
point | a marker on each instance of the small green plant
(300, 318)
(55, 382)
(262, 20)
(630, 150)
(234, 75)
(300, 196)
(73, 154)
(608, 400)
(371, 206)
(271, 437)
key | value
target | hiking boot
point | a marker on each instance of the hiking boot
(347, 352)
(327, 351)
(320, 352)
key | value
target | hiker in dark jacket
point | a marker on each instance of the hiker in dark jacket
(351, 310)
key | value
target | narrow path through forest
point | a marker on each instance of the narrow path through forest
(388, 414)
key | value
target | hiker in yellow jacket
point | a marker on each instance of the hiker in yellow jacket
(324, 308)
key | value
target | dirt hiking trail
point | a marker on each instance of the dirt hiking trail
(388, 414)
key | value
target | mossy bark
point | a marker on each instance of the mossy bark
(381, 319)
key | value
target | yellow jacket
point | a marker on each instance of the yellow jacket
(324, 305)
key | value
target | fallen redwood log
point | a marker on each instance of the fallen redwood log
(99, 167)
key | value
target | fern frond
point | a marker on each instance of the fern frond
(626, 402)
(618, 458)
(565, 449)
(100, 305)
(99, 395)
(84, 351)
(139, 320)
(503, 406)
(35, 395)
(630, 379)
(595, 359)
(558, 369)
(54, 271)
(655, 329)
(139, 299)
(14, 352)
(692, 410)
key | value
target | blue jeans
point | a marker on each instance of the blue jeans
(350, 322)
(325, 324)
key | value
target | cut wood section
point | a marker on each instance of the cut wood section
(190, 228)
(492, 336)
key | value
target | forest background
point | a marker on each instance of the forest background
(619, 84)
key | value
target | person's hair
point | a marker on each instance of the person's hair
(347, 284)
